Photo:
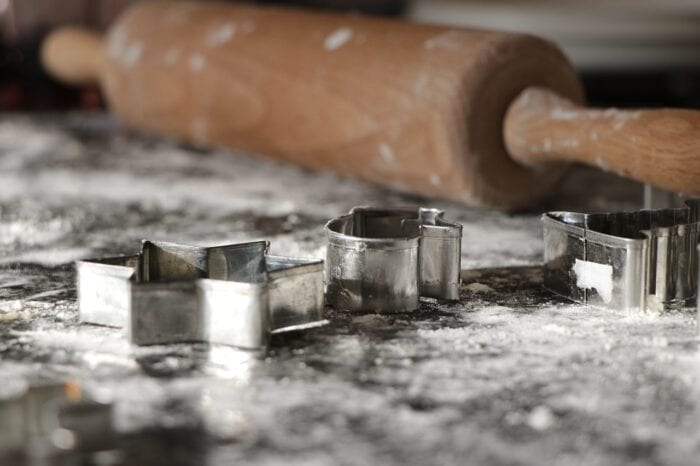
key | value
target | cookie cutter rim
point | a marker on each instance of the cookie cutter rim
(623, 260)
(370, 247)
(241, 306)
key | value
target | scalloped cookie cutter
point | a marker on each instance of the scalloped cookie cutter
(626, 260)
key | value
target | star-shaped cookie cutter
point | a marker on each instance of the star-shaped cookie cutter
(172, 293)
(384, 260)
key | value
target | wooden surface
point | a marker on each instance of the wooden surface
(414, 107)
(417, 108)
(74, 55)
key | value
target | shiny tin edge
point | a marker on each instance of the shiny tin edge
(370, 257)
(163, 294)
(647, 252)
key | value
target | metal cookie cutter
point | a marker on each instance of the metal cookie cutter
(170, 293)
(45, 420)
(384, 259)
(628, 260)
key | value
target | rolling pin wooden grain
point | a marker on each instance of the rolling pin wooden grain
(477, 116)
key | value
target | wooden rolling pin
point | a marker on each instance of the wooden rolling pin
(471, 115)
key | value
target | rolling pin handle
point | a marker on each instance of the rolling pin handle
(73, 55)
(659, 146)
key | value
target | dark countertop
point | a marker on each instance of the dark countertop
(511, 375)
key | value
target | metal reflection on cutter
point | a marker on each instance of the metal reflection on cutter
(383, 260)
(169, 293)
(45, 420)
(627, 260)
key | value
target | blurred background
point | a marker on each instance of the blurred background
(629, 52)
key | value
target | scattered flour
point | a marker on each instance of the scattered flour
(541, 418)
(337, 38)
(197, 62)
(221, 35)
(122, 51)
(446, 40)
(387, 153)
(132, 54)
(477, 287)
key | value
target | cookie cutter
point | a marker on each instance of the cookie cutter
(234, 295)
(383, 260)
(627, 260)
(45, 420)
(657, 198)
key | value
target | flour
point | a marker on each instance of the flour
(599, 277)
(221, 35)
(197, 62)
(387, 154)
(445, 40)
(132, 54)
(477, 287)
(337, 38)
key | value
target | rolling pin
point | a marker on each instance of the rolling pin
(478, 116)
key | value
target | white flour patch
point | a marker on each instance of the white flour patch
(477, 287)
(591, 275)
(561, 114)
(197, 62)
(460, 333)
(124, 52)
(221, 35)
(171, 56)
(387, 154)
(117, 42)
(435, 179)
(601, 164)
(541, 418)
(337, 38)
(131, 54)
(446, 40)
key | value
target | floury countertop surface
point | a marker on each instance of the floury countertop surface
(511, 375)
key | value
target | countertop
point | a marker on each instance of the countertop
(511, 375)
